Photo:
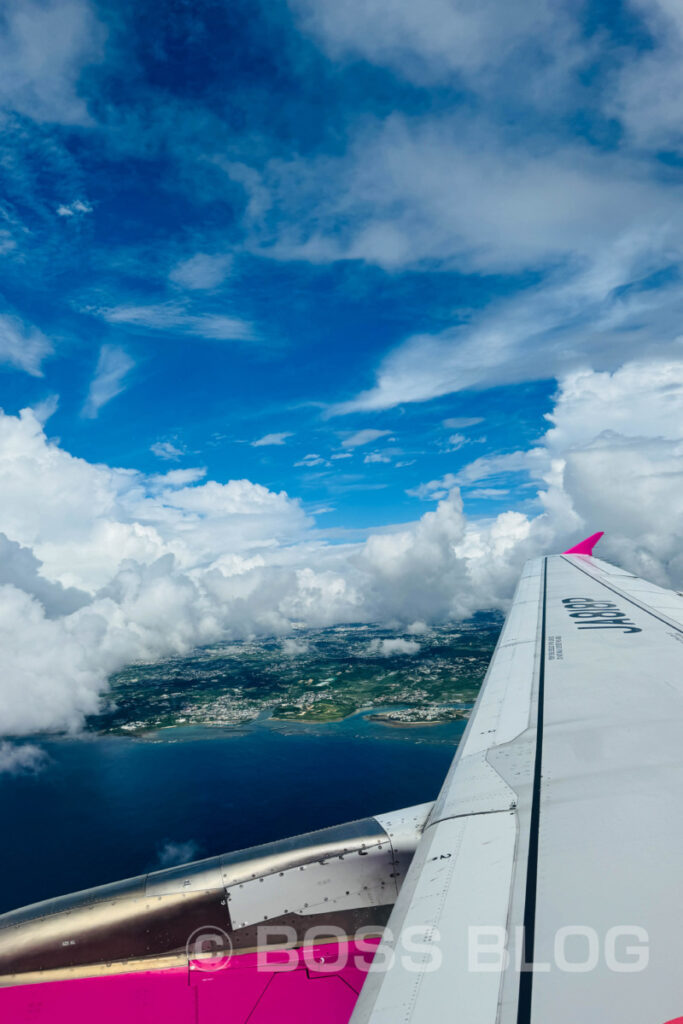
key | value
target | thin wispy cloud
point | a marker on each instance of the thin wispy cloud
(437, 44)
(46, 408)
(201, 272)
(537, 335)
(462, 422)
(23, 346)
(271, 439)
(532, 461)
(173, 853)
(21, 759)
(434, 490)
(44, 48)
(113, 366)
(310, 460)
(173, 318)
(645, 93)
(77, 208)
(166, 450)
(362, 437)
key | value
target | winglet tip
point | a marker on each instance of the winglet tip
(586, 546)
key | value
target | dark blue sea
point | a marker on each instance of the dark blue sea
(108, 807)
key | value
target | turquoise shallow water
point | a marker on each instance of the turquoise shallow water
(105, 807)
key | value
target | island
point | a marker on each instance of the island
(319, 676)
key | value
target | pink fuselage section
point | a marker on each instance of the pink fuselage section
(315, 985)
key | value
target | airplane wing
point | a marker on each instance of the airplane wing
(546, 887)
(542, 886)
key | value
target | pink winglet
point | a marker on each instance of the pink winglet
(586, 546)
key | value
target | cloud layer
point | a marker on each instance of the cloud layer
(101, 566)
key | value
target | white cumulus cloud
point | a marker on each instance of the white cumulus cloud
(394, 645)
(294, 648)
(103, 566)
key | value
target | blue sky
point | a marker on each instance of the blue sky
(325, 311)
(341, 227)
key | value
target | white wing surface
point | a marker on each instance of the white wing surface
(557, 838)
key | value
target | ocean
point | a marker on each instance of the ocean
(108, 807)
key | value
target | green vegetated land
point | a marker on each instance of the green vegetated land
(314, 676)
